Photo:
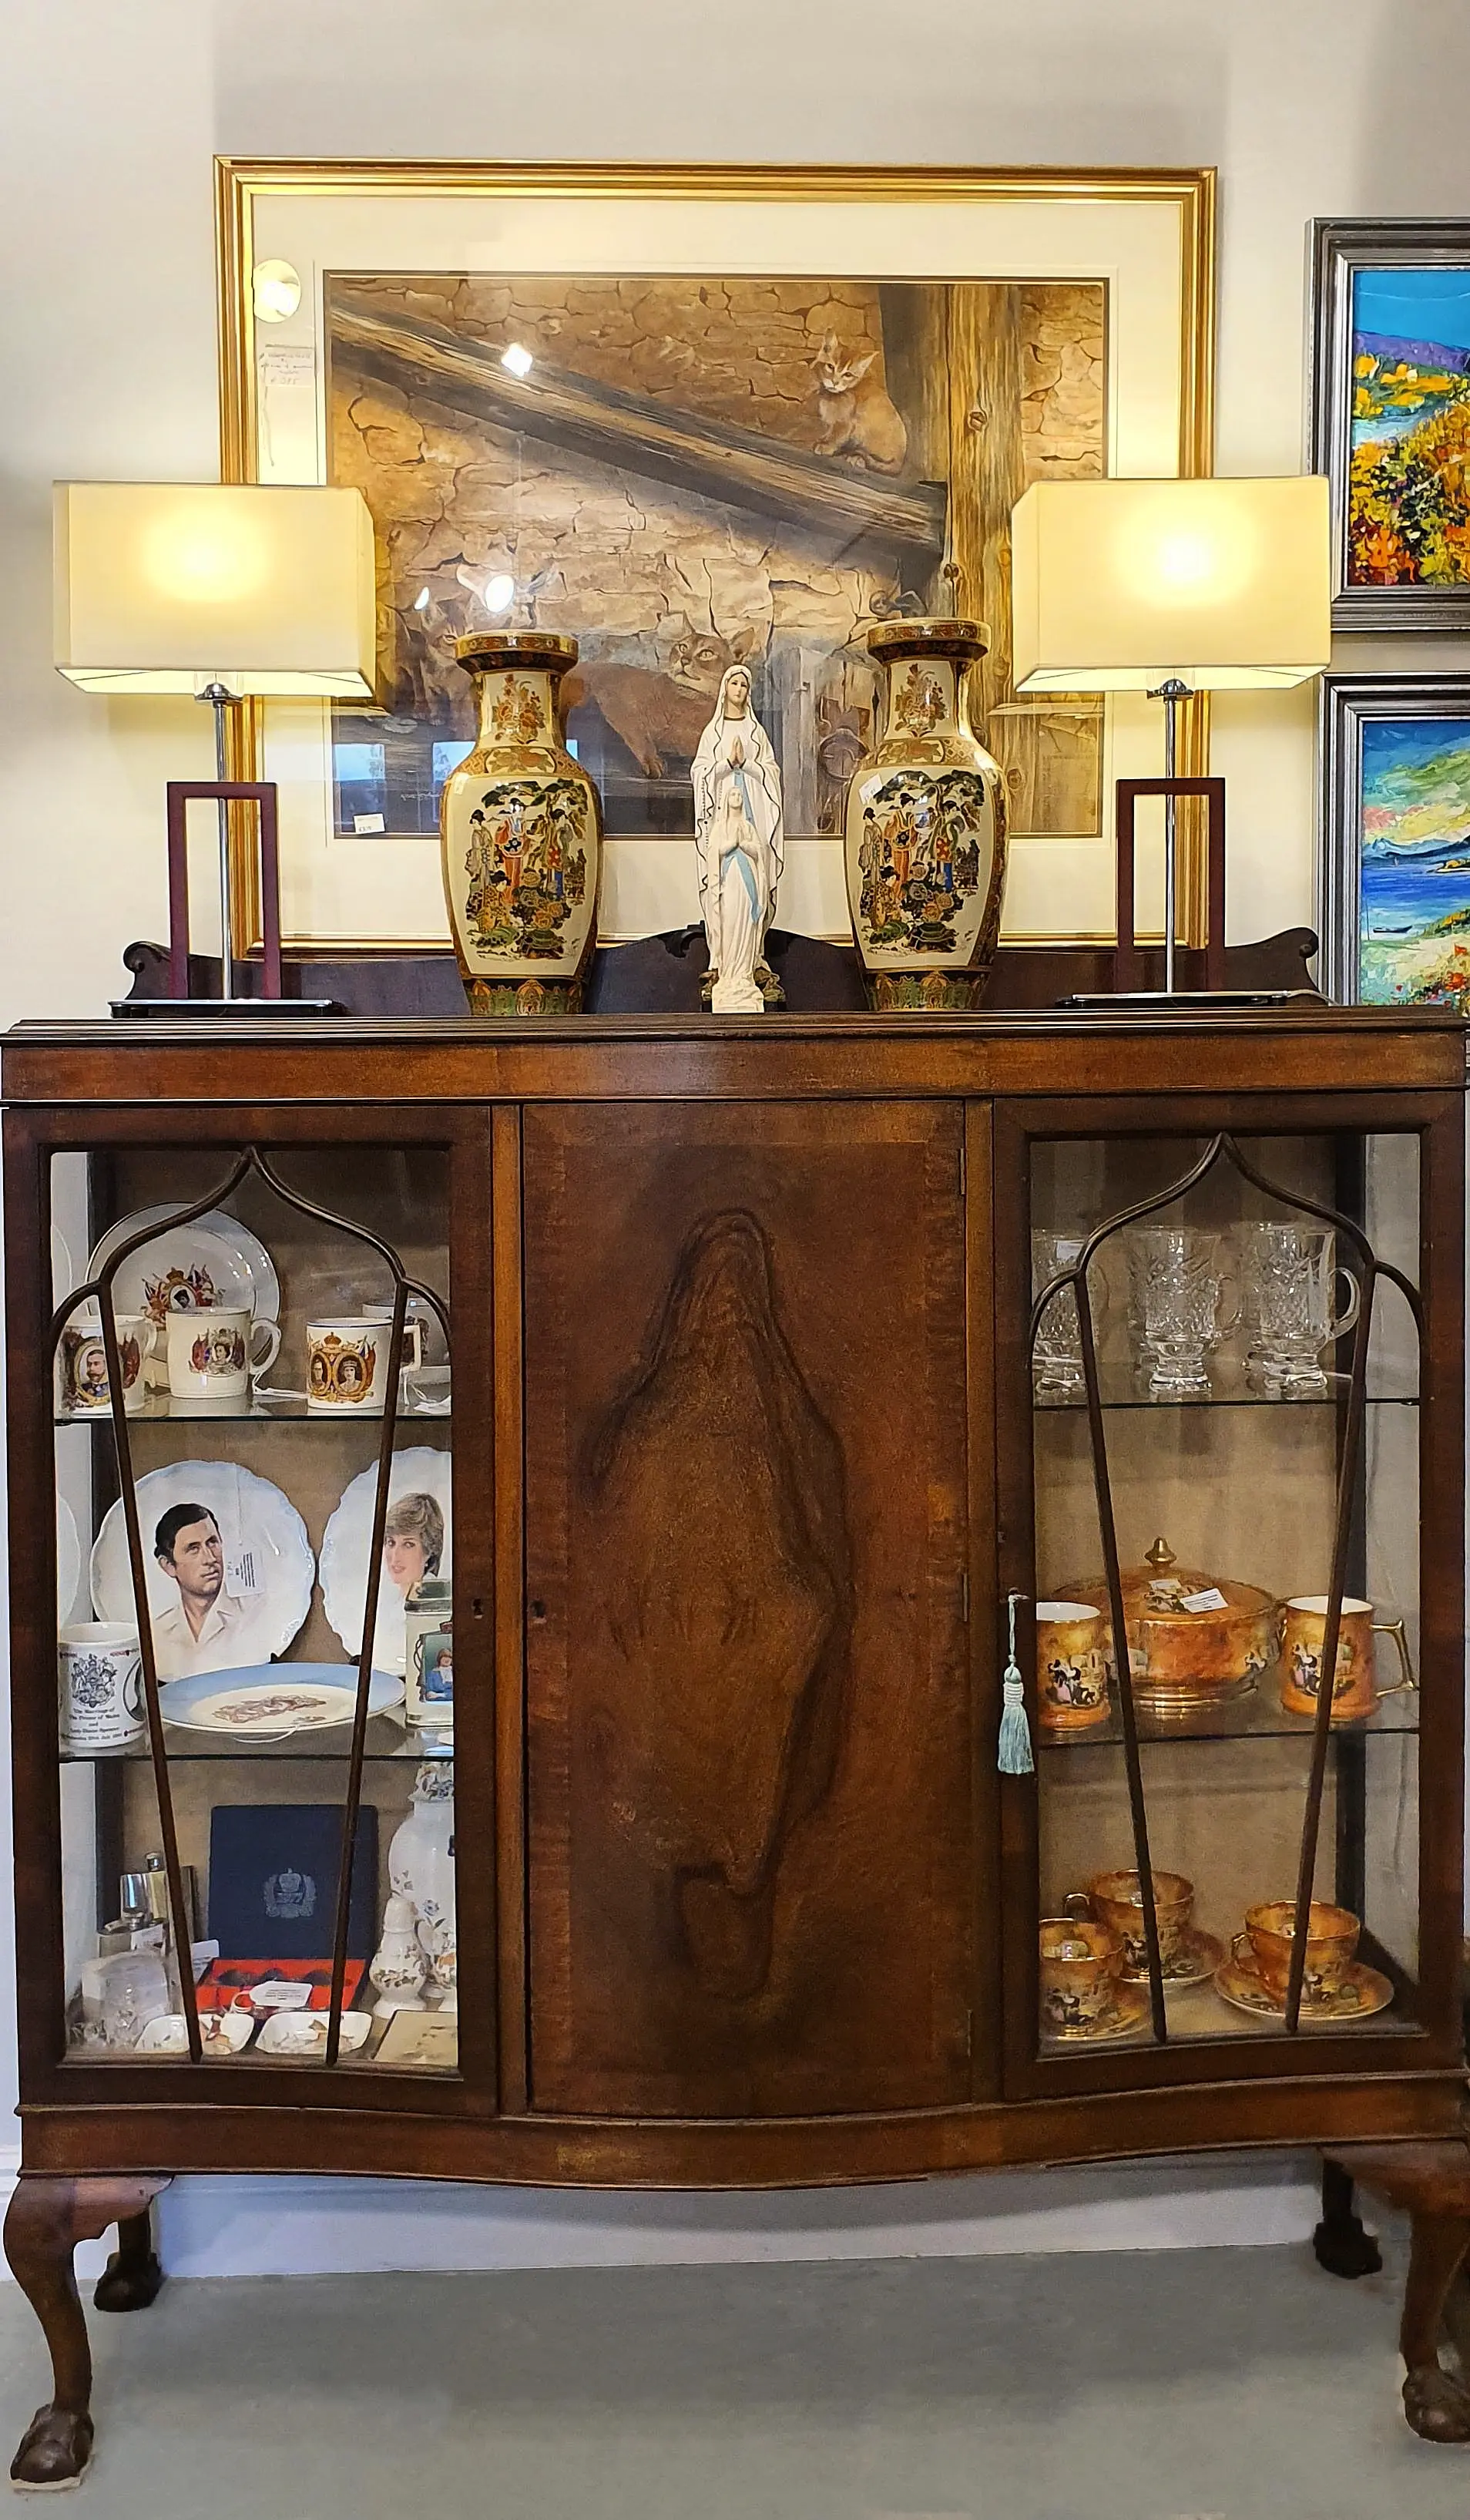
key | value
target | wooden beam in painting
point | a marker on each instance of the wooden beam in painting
(838, 501)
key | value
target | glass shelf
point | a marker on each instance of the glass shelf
(1121, 1386)
(260, 1412)
(1257, 1714)
(386, 1739)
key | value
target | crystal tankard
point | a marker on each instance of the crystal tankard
(1177, 1291)
(1291, 1274)
(1056, 1352)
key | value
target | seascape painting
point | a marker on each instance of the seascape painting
(688, 472)
(1409, 483)
(1414, 883)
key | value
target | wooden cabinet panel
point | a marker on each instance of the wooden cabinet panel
(749, 1766)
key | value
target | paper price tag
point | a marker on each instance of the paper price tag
(1213, 1599)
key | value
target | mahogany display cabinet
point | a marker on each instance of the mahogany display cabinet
(751, 1383)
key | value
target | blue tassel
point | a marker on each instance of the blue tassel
(1014, 1757)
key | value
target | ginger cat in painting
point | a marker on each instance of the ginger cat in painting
(660, 714)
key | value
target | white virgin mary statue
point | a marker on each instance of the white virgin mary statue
(737, 823)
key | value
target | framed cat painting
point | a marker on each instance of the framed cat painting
(1394, 891)
(1391, 417)
(695, 417)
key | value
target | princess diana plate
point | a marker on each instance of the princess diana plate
(273, 1699)
(420, 1480)
(187, 1268)
(265, 1591)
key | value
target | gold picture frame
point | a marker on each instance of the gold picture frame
(1147, 233)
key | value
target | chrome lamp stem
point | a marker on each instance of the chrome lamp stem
(1171, 691)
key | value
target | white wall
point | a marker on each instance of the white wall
(109, 120)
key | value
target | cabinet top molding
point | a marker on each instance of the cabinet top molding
(618, 1058)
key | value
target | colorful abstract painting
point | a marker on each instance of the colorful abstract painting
(1414, 896)
(1408, 491)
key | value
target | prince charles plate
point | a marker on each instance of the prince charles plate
(228, 1566)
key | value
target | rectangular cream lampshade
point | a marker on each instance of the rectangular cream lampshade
(1118, 585)
(168, 587)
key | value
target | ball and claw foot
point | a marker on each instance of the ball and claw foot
(129, 2282)
(1436, 2406)
(1341, 2247)
(54, 2452)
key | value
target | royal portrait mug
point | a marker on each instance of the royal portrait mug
(1071, 1666)
(347, 1366)
(212, 1353)
(82, 1363)
(1355, 1680)
(102, 1687)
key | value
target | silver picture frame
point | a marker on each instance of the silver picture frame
(1347, 702)
(1339, 249)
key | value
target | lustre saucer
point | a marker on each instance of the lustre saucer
(1199, 1957)
(1128, 2014)
(1359, 1991)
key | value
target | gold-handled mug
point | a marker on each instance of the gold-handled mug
(1355, 1689)
(1116, 1900)
(1266, 1947)
(1071, 1666)
(1081, 1964)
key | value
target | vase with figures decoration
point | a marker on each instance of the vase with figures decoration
(520, 834)
(925, 835)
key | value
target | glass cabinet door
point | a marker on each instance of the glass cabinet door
(1223, 1387)
(255, 1509)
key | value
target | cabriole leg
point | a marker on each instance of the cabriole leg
(1340, 2243)
(46, 2219)
(1436, 2405)
(133, 2275)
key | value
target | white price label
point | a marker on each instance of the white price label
(1213, 1599)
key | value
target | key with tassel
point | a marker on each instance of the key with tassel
(1014, 1757)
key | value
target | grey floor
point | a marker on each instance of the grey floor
(1232, 2384)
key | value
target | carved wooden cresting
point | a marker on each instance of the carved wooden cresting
(746, 1677)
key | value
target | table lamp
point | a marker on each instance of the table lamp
(229, 592)
(1170, 588)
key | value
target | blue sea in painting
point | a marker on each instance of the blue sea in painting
(1414, 900)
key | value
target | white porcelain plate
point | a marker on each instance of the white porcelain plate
(418, 1473)
(304, 2034)
(268, 1568)
(274, 1698)
(215, 1260)
(221, 2034)
(67, 1561)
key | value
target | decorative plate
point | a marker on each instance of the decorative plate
(267, 1569)
(1361, 1991)
(1200, 1957)
(303, 2035)
(1129, 2013)
(62, 1266)
(418, 1472)
(215, 1260)
(269, 1700)
(221, 2034)
(67, 1561)
(430, 2040)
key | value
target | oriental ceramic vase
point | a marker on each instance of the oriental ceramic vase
(520, 834)
(926, 828)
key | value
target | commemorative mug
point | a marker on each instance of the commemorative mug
(83, 1364)
(1080, 1965)
(412, 1331)
(102, 1687)
(347, 1364)
(1071, 1666)
(1116, 1901)
(1266, 1947)
(212, 1353)
(1355, 1689)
